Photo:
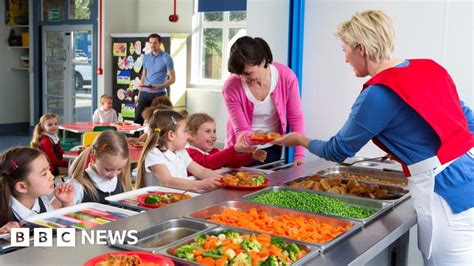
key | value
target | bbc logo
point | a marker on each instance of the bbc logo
(43, 237)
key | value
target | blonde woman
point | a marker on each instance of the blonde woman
(411, 110)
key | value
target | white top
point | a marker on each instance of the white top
(103, 184)
(101, 116)
(21, 212)
(265, 116)
(177, 163)
(53, 137)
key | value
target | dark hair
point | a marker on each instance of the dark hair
(14, 167)
(155, 35)
(248, 51)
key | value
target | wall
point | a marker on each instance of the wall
(441, 30)
(152, 16)
(14, 85)
(118, 16)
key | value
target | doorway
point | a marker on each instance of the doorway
(67, 72)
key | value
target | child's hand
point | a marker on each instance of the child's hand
(64, 193)
(241, 145)
(208, 184)
(6, 228)
(259, 155)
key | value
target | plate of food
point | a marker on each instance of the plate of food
(149, 86)
(129, 258)
(265, 137)
(160, 199)
(123, 123)
(244, 180)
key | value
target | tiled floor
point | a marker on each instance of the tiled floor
(13, 140)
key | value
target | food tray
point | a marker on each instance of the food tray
(158, 236)
(396, 193)
(153, 259)
(80, 216)
(129, 199)
(398, 179)
(206, 213)
(311, 250)
(378, 206)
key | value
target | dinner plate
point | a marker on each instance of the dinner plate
(265, 183)
(141, 199)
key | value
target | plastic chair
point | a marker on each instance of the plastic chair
(89, 137)
(104, 128)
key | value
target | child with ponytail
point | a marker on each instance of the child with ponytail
(102, 170)
(25, 181)
(164, 160)
(45, 138)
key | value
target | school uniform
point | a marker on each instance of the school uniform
(101, 116)
(18, 211)
(51, 145)
(177, 163)
(105, 187)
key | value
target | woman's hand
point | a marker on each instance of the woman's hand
(292, 139)
(242, 146)
(64, 193)
(6, 228)
(259, 155)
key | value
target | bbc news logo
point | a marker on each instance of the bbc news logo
(66, 237)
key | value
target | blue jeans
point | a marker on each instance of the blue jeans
(143, 102)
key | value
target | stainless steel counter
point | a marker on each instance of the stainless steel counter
(359, 248)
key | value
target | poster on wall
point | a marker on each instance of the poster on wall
(128, 51)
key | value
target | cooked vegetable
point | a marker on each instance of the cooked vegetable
(186, 252)
(230, 233)
(200, 239)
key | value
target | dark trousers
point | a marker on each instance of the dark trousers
(273, 154)
(143, 102)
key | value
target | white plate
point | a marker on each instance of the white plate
(65, 217)
(128, 199)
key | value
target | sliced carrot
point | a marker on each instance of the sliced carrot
(208, 261)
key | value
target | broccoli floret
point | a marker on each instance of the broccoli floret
(200, 239)
(255, 245)
(186, 252)
(242, 259)
(258, 180)
(270, 261)
(230, 233)
(276, 241)
(293, 251)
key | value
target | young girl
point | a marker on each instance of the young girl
(45, 138)
(102, 170)
(25, 181)
(202, 137)
(164, 160)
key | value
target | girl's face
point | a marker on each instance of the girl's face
(252, 74)
(355, 56)
(109, 166)
(40, 181)
(205, 137)
(51, 125)
(179, 138)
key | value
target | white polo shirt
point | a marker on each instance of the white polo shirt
(21, 212)
(103, 184)
(177, 163)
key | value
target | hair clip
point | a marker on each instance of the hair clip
(173, 119)
(13, 165)
(157, 130)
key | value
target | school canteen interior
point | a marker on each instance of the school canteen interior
(300, 34)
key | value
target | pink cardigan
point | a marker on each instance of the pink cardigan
(287, 102)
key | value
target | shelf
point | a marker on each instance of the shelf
(19, 68)
(17, 26)
(19, 47)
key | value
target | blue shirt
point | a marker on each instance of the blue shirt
(156, 67)
(380, 113)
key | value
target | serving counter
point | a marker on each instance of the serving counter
(388, 231)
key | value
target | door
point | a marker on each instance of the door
(67, 72)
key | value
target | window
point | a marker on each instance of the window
(217, 32)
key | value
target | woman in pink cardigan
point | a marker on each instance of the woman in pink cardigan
(262, 95)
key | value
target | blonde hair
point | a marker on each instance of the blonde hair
(373, 29)
(14, 168)
(194, 121)
(161, 122)
(105, 97)
(107, 142)
(39, 131)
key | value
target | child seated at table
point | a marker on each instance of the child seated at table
(25, 181)
(105, 113)
(164, 160)
(201, 141)
(102, 169)
(45, 138)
